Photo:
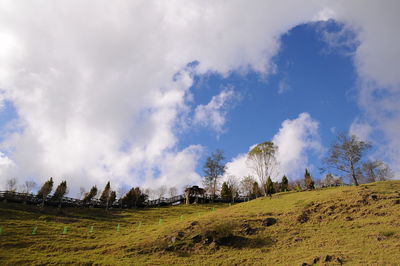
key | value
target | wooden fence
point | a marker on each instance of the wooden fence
(17, 197)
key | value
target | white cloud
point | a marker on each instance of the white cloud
(92, 81)
(238, 167)
(213, 114)
(295, 140)
(360, 129)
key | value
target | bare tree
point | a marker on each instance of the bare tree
(214, 168)
(151, 193)
(345, 154)
(377, 171)
(161, 191)
(246, 185)
(296, 184)
(12, 184)
(28, 186)
(261, 159)
(172, 192)
(328, 181)
(234, 186)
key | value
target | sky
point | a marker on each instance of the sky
(141, 92)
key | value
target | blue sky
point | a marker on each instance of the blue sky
(319, 80)
(141, 94)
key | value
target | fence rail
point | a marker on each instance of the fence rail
(32, 199)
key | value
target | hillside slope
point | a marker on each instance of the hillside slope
(344, 225)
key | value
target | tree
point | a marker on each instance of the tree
(161, 191)
(60, 192)
(345, 154)
(377, 171)
(234, 187)
(246, 185)
(134, 198)
(226, 193)
(172, 191)
(214, 168)
(296, 184)
(269, 187)
(329, 180)
(105, 195)
(89, 196)
(45, 190)
(12, 184)
(256, 191)
(262, 161)
(308, 182)
(28, 186)
(284, 184)
(112, 198)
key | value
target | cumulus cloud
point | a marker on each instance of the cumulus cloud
(213, 114)
(93, 82)
(295, 140)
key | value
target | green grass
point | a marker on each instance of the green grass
(353, 225)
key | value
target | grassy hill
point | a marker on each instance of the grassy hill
(344, 225)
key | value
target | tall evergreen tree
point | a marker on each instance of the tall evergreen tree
(45, 190)
(60, 192)
(308, 182)
(269, 187)
(113, 196)
(105, 195)
(284, 184)
(134, 198)
(226, 193)
(89, 196)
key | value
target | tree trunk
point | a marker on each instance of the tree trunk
(187, 197)
(353, 174)
(355, 179)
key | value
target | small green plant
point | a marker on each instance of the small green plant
(387, 233)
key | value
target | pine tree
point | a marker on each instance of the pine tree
(113, 196)
(284, 184)
(105, 195)
(134, 198)
(226, 193)
(270, 187)
(308, 182)
(89, 196)
(61, 190)
(45, 190)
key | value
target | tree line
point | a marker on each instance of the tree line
(346, 156)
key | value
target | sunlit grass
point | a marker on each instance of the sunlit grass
(344, 222)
